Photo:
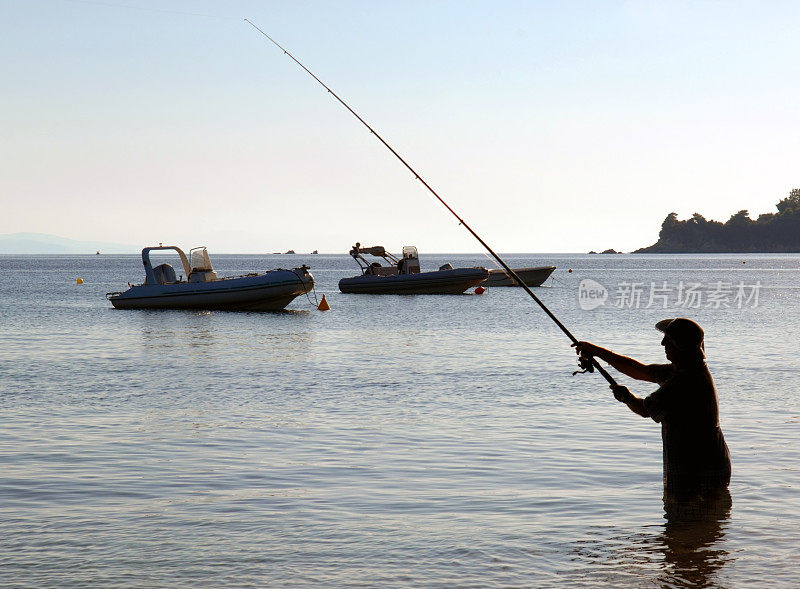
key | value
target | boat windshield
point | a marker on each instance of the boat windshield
(199, 260)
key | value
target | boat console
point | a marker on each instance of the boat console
(201, 268)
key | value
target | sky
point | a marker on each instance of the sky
(548, 126)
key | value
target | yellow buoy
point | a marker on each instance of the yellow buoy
(323, 304)
(80, 280)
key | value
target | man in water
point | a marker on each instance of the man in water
(697, 464)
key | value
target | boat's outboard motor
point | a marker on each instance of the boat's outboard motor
(164, 274)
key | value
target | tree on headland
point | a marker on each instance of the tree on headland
(771, 232)
(790, 204)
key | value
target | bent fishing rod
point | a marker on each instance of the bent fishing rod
(590, 363)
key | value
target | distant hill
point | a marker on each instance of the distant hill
(42, 243)
(771, 232)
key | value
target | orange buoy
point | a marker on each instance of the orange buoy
(79, 281)
(323, 304)
(570, 270)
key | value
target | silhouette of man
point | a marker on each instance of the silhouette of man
(697, 464)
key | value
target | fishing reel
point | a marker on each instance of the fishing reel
(586, 363)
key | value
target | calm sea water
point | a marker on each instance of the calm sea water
(433, 441)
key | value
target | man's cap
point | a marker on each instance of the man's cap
(686, 334)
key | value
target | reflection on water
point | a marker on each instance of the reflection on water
(692, 549)
(693, 540)
(165, 330)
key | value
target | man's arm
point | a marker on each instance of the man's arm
(634, 403)
(624, 364)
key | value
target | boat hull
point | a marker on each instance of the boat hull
(454, 281)
(530, 276)
(271, 291)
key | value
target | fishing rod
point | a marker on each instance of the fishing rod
(587, 363)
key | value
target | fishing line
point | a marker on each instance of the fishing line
(586, 363)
